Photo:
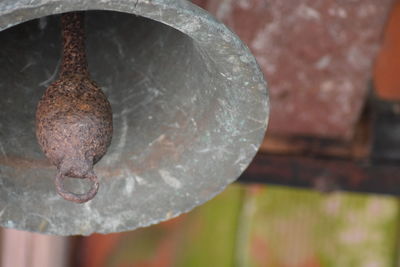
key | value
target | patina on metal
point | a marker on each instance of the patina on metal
(74, 118)
(190, 109)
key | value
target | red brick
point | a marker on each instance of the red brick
(317, 56)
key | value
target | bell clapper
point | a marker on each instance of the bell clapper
(74, 118)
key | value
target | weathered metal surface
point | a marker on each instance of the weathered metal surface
(189, 107)
(74, 117)
(317, 56)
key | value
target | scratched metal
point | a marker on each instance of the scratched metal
(190, 111)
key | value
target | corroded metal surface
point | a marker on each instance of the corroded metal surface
(74, 118)
(189, 111)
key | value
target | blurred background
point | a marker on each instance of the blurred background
(323, 190)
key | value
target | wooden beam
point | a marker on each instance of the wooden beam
(324, 174)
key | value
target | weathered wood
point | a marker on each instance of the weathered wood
(325, 174)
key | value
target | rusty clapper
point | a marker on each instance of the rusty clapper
(73, 117)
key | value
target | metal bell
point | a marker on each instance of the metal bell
(190, 109)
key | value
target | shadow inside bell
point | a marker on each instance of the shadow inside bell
(76, 185)
(160, 84)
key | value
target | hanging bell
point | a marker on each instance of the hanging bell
(189, 111)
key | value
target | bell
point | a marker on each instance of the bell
(190, 109)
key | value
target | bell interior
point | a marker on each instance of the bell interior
(177, 124)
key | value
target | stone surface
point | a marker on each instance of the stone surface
(189, 103)
(317, 56)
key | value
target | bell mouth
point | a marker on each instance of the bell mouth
(189, 103)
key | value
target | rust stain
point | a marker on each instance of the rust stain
(73, 117)
(23, 163)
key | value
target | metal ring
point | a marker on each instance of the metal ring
(78, 198)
